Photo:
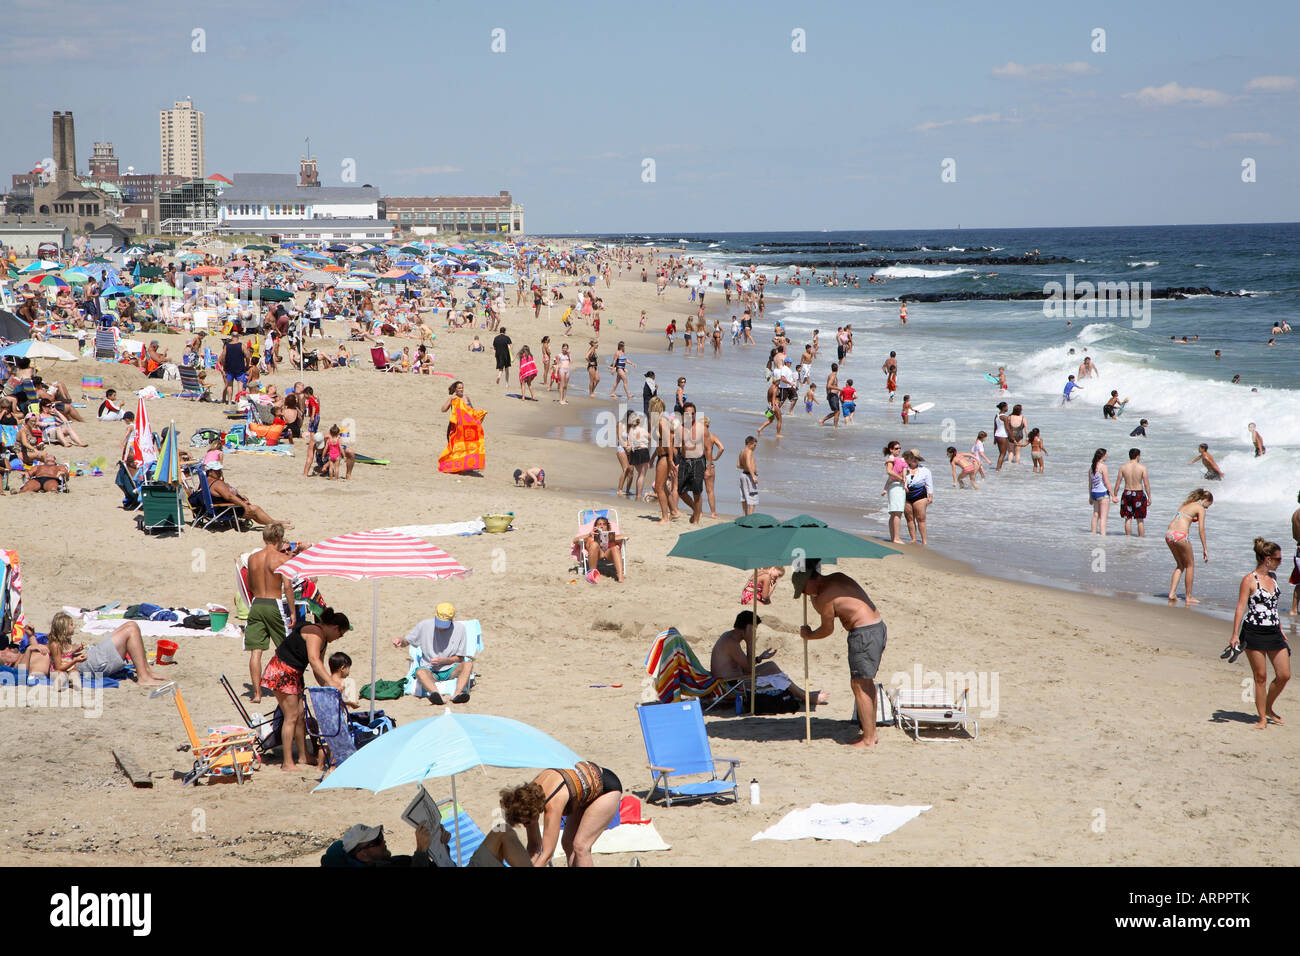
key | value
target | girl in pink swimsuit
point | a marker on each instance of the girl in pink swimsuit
(1192, 511)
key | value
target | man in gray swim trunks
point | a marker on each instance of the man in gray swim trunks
(838, 596)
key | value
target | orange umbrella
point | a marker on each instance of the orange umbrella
(332, 268)
(205, 271)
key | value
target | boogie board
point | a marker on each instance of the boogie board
(991, 378)
(923, 407)
(1119, 409)
(367, 460)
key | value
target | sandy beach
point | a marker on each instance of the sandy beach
(1113, 734)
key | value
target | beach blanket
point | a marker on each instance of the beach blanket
(102, 626)
(260, 450)
(466, 450)
(439, 530)
(13, 676)
(856, 822)
(630, 838)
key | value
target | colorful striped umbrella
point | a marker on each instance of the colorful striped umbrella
(47, 282)
(168, 468)
(143, 449)
(373, 554)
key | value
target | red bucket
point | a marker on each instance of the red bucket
(166, 653)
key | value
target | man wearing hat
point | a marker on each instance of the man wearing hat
(838, 596)
(730, 660)
(442, 643)
(365, 846)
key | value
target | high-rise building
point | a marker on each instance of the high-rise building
(180, 137)
(103, 162)
(65, 149)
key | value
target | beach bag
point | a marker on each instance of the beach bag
(385, 690)
(199, 622)
(885, 716)
(366, 729)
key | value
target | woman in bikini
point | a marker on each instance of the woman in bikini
(562, 364)
(619, 367)
(1192, 511)
(1257, 629)
(587, 795)
(665, 485)
(1100, 492)
(546, 361)
(767, 579)
(687, 331)
(593, 370)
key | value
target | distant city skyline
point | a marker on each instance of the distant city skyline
(721, 117)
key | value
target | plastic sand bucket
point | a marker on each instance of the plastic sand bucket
(166, 653)
(219, 619)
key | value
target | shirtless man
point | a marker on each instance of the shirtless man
(227, 494)
(1257, 440)
(838, 596)
(773, 412)
(1087, 369)
(1136, 497)
(833, 396)
(1212, 470)
(730, 660)
(749, 478)
(690, 473)
(890, 368)
(43, 476)
(271, 615)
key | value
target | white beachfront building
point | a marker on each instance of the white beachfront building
(298, 207)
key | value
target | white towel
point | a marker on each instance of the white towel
(840, 821)
(439, 530)
(630, 838)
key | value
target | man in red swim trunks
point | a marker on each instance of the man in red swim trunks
(1136, 497)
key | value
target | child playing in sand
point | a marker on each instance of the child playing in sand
(1037, 452)
(977, 452)
(810, 397)
(341, 667)
(476, 345)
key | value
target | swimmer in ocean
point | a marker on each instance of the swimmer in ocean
(1212, 470)
(1071, 387)
(1257, 440)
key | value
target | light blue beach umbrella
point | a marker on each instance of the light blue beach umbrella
(444, 746)
(114, 290)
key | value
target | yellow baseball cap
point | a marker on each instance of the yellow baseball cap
(445, 611)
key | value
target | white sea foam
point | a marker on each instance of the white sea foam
(1145, 262)
(911, 272)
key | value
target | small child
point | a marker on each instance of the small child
(567, 320)
(907, 407)
(476, 345)
(1037, 451)
(213, 453)
(810, 397)
(670, 331)
(848, 406)
(334, 451)
(642, 319)
(530, 478)
(406, 358)
(341, 667)
(977, 452)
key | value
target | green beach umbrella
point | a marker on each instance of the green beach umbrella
(758, 541)
(274, 295)
(156, 288)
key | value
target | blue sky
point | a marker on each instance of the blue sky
(744, 132)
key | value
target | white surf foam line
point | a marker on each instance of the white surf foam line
(912, 272)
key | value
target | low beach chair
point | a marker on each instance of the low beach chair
(676, 745)
(221, 753)
(265, 727)
(677, 673)
(457, 822)
(92, 384)
(191, 387)
(106, 345)
(130, 484)
(330, 716)
(380, 358)
(585, 520)
(473, 647)
(932, 707)
(212, 512)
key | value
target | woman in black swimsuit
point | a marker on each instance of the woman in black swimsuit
(1257, 629)
(592, 367)
(587, 795)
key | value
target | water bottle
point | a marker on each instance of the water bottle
(740, 704)
(753, 792)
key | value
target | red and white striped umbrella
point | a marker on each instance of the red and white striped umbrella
(142, 447)
(373, 554)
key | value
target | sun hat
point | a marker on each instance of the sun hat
(359, 836)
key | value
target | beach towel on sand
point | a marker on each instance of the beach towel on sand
(385, 690)
(856, 822)
(465, 449)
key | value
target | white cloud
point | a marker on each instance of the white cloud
(248, 98)
(1171, 94)
(1012, 70)
(977, 119)
(1273, 84)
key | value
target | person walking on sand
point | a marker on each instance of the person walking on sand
(1136, 495)
(1257, 630)
(749, 478)
(894, 491)
(1191, 511)
(838, 597)
(1099, 492)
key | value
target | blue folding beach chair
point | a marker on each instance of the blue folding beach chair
(677, 745)
(207, 512)
(331, 723)
(471, 837)
(131, 487)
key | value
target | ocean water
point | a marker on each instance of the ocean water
(1019, 524)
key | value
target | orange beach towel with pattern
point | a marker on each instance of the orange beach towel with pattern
(465, 449)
